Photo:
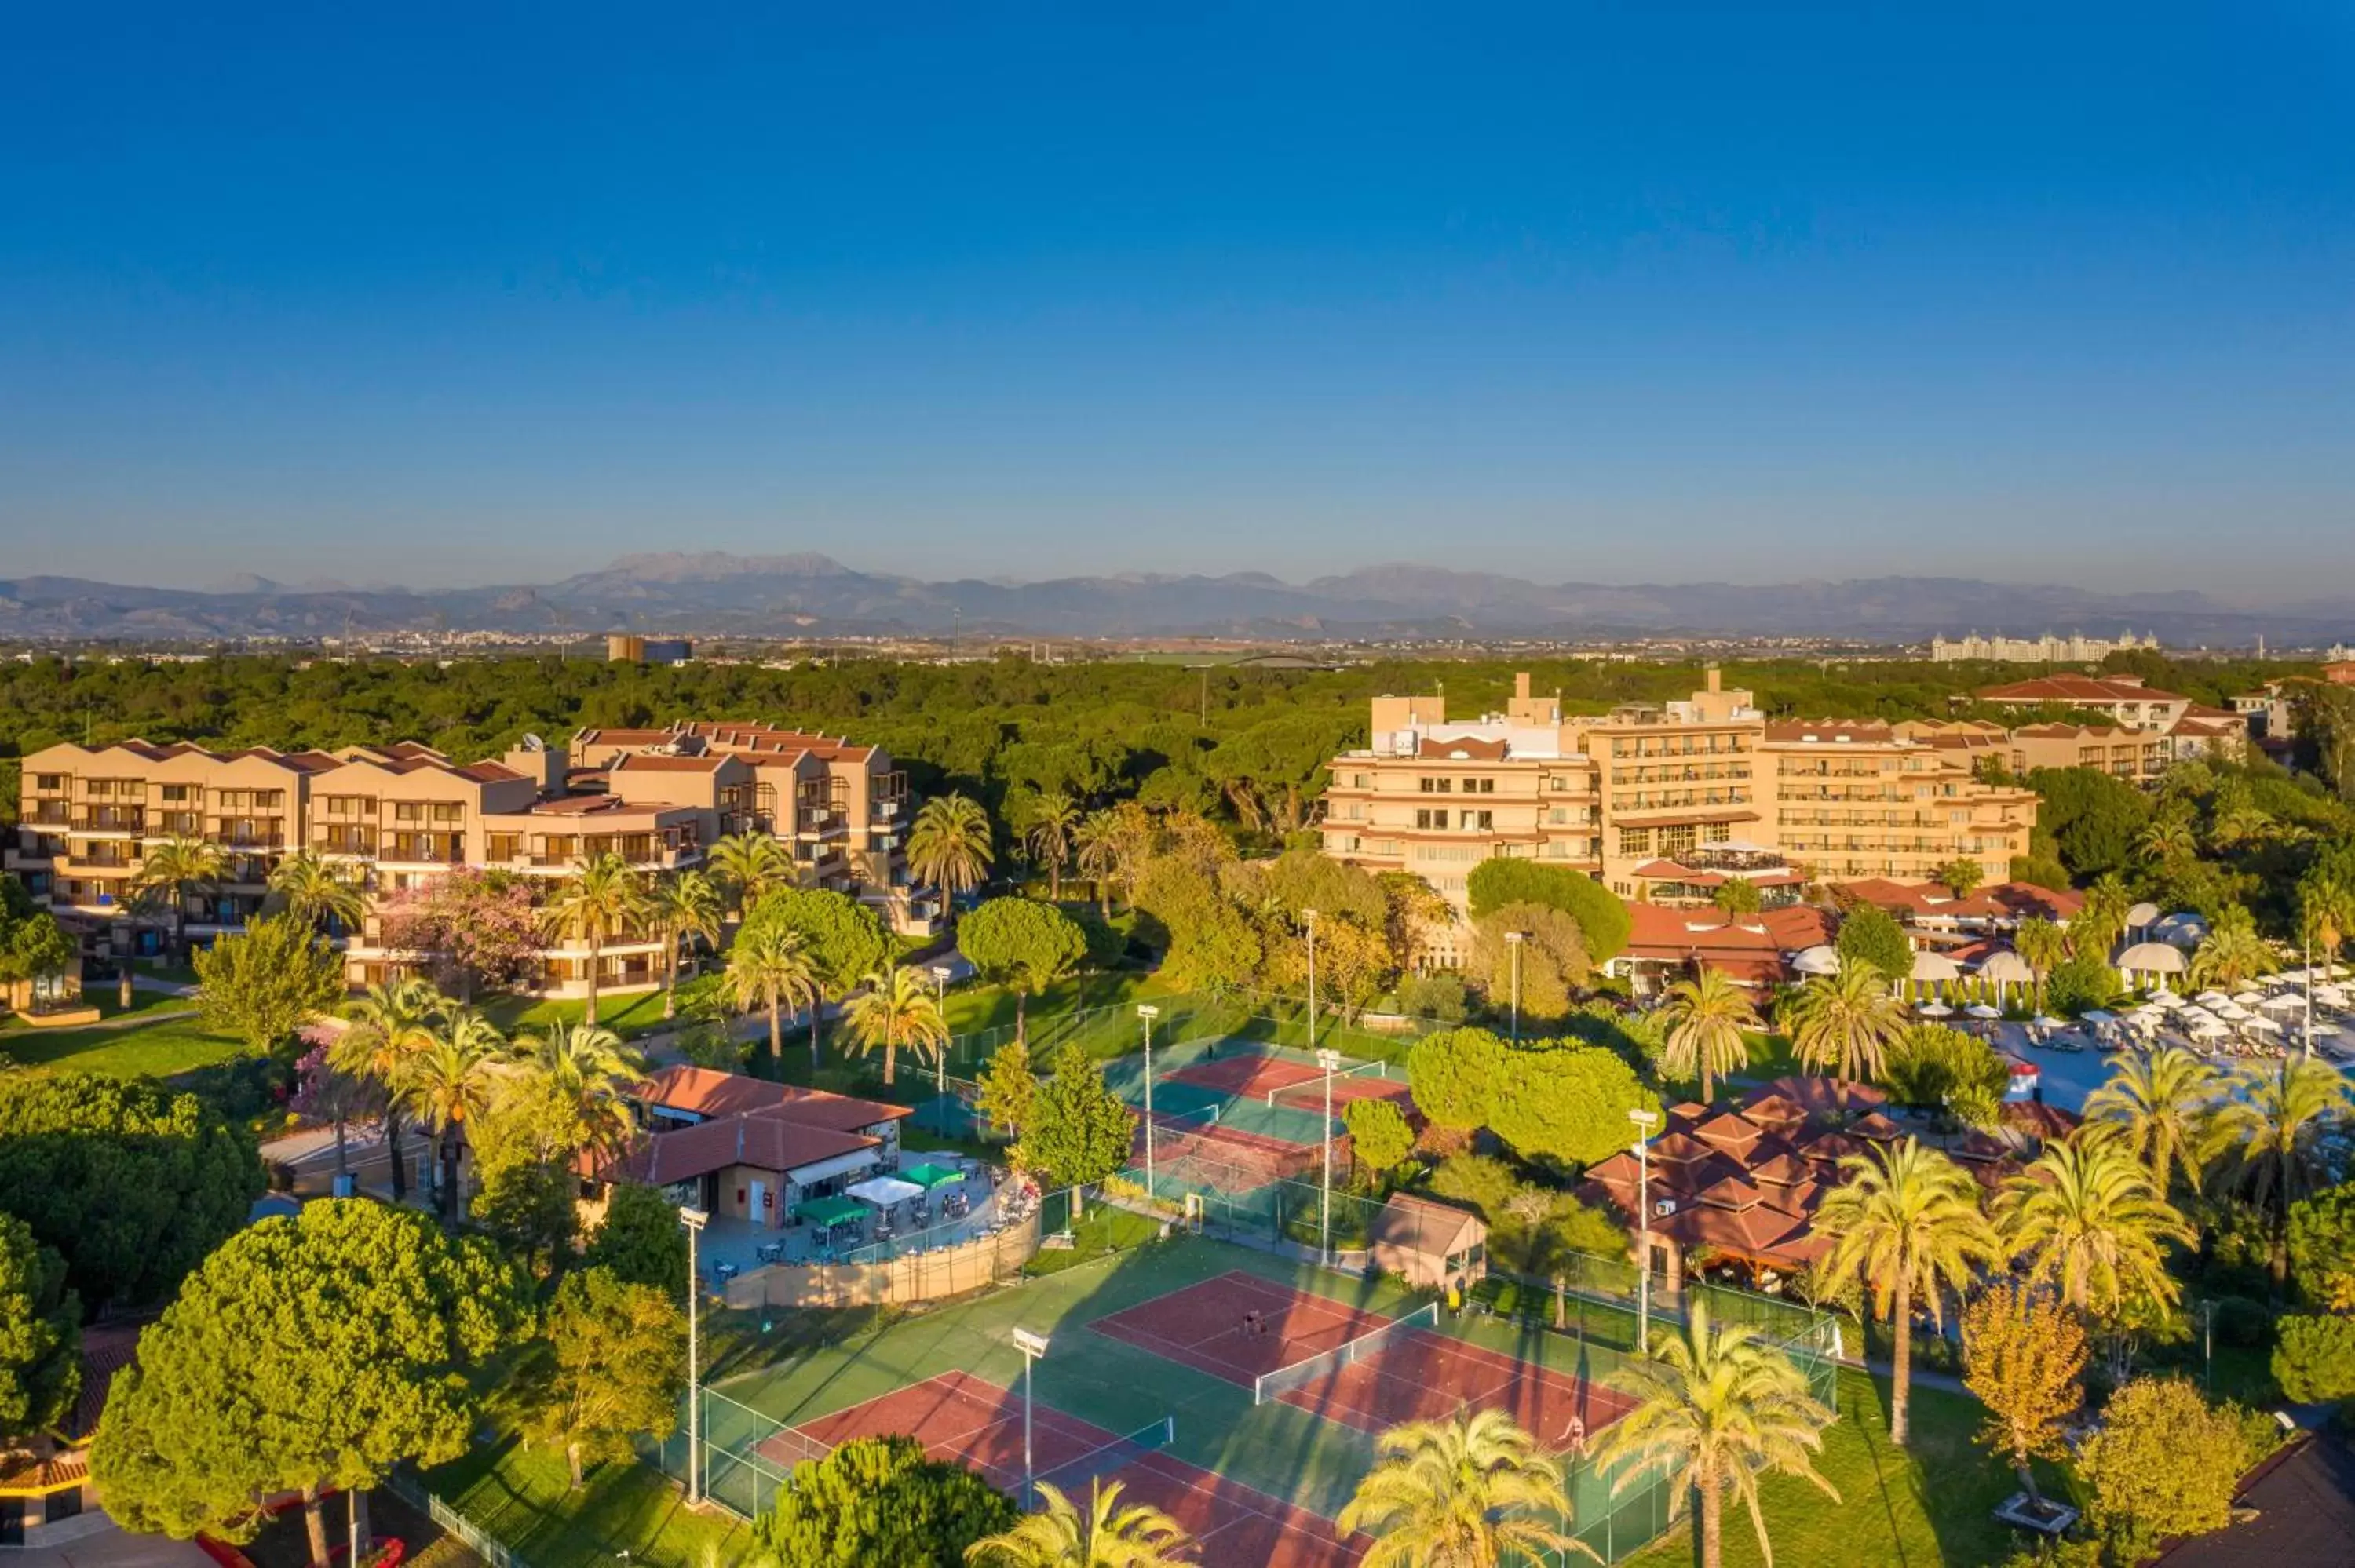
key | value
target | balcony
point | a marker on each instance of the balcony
(125, 820)
(48, 814)
(83, 861)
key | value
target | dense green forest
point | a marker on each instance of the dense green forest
(1242, 743)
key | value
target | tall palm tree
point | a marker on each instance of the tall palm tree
(2096, 926)
(1961, 876)
(2159, 1101)
(2326, 908)
(2263, 1137)
(1102, 847)
(177, 869)
(2231, 951)
(389, 1023)
(1705, 1017)
(2042, 944)
(1048, 837)
(1844, 1022)
(770, 967)
(1905, 1223)
(896, 1009)
(949, 845)
(2087, 1219)
(1472, 1492)
(590, 1072)
(603, 900)
(448, 1082)
(750, 864)
(1718, 1408)
(1737, 895)
(2170, 836)
(315, 892)
(681, 906)
(1106, 1536)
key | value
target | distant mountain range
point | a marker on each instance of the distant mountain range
(707, 594)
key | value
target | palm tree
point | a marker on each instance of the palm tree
(2088, 1220)
(2096, 926)
(1466, 1493)
(178, 868)
(1717, 1407)
(314, 894)
(1106, 1536)
(602, 900)
(1961, 876)
(2231, 951)
(1737, 895)
(1705, 1018)
(681, 906)
(2042, 944)
(1102, 846)
(2168, 836)
(1844, 1021)
(448, 1082)
(949, 845)
(590, 1072)
(896, 1009)
(1048, 837)
(2263, 1137)
(750, 864)
(2326, 907)
(2158, 1101)
(770, 967)
(390, 1023)
(1906, 1223)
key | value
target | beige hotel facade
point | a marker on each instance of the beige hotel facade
(1640, 794)
(394, 817)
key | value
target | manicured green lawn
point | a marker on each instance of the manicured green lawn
(624, 1512)
(625, 1013)
(159, 1050)
(143, 1002)
(1921, 1507)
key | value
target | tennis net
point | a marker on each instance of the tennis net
(1305, 1094)
(1283, 1380)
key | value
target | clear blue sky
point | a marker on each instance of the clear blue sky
(454, 293)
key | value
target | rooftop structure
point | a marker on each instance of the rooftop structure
(2124, 698)
(2074, 649)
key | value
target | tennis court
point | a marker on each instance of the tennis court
(1364, 1369)
(1283, 1082)
(970, 1421)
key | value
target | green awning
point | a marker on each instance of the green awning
(931, 1176)
(830, 1211)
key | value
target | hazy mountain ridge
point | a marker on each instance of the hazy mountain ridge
(711, 592)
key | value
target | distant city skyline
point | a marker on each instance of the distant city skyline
(1674, 296)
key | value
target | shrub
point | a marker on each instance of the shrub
(2082, 983)
(1438, 996)
(2165, 1463)
(2314, 1360)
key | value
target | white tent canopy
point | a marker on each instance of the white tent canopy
(2141, 914)
(2152, 959)
(1935, 967)
(2180, 930)
(1933, 1010)
(2007, 967)
(1820, 959)
(884, 1190)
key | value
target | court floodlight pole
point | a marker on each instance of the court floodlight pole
(1308, 919)
(1148, 1012)
(1032, 1347)
(1644, 1120)
(940, 1060)
(1513, 943)
(1331, 1062)
(694, 1218)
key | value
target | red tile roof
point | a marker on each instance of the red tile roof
(2076, 690)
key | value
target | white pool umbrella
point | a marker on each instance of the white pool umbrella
(1933, 1010)
(1981, 1009)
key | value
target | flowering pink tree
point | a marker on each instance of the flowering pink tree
(469, 928)
(338, 1098)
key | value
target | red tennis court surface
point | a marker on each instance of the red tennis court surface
(970, 1421)
(1422, 1374)
(1260, 1076)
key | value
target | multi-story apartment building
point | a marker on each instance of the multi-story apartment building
(394, 818)
(1663, 802)
(842, 808)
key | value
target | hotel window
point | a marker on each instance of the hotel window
(409, 811)
(1427, 818)
(504, 846)
(1484, 821)
(179, 794)
(1634, 840)
(1479, 785)
(1678, 838)
(449, 814)
(1436, 786)
(50, 783)
(1717, 833)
